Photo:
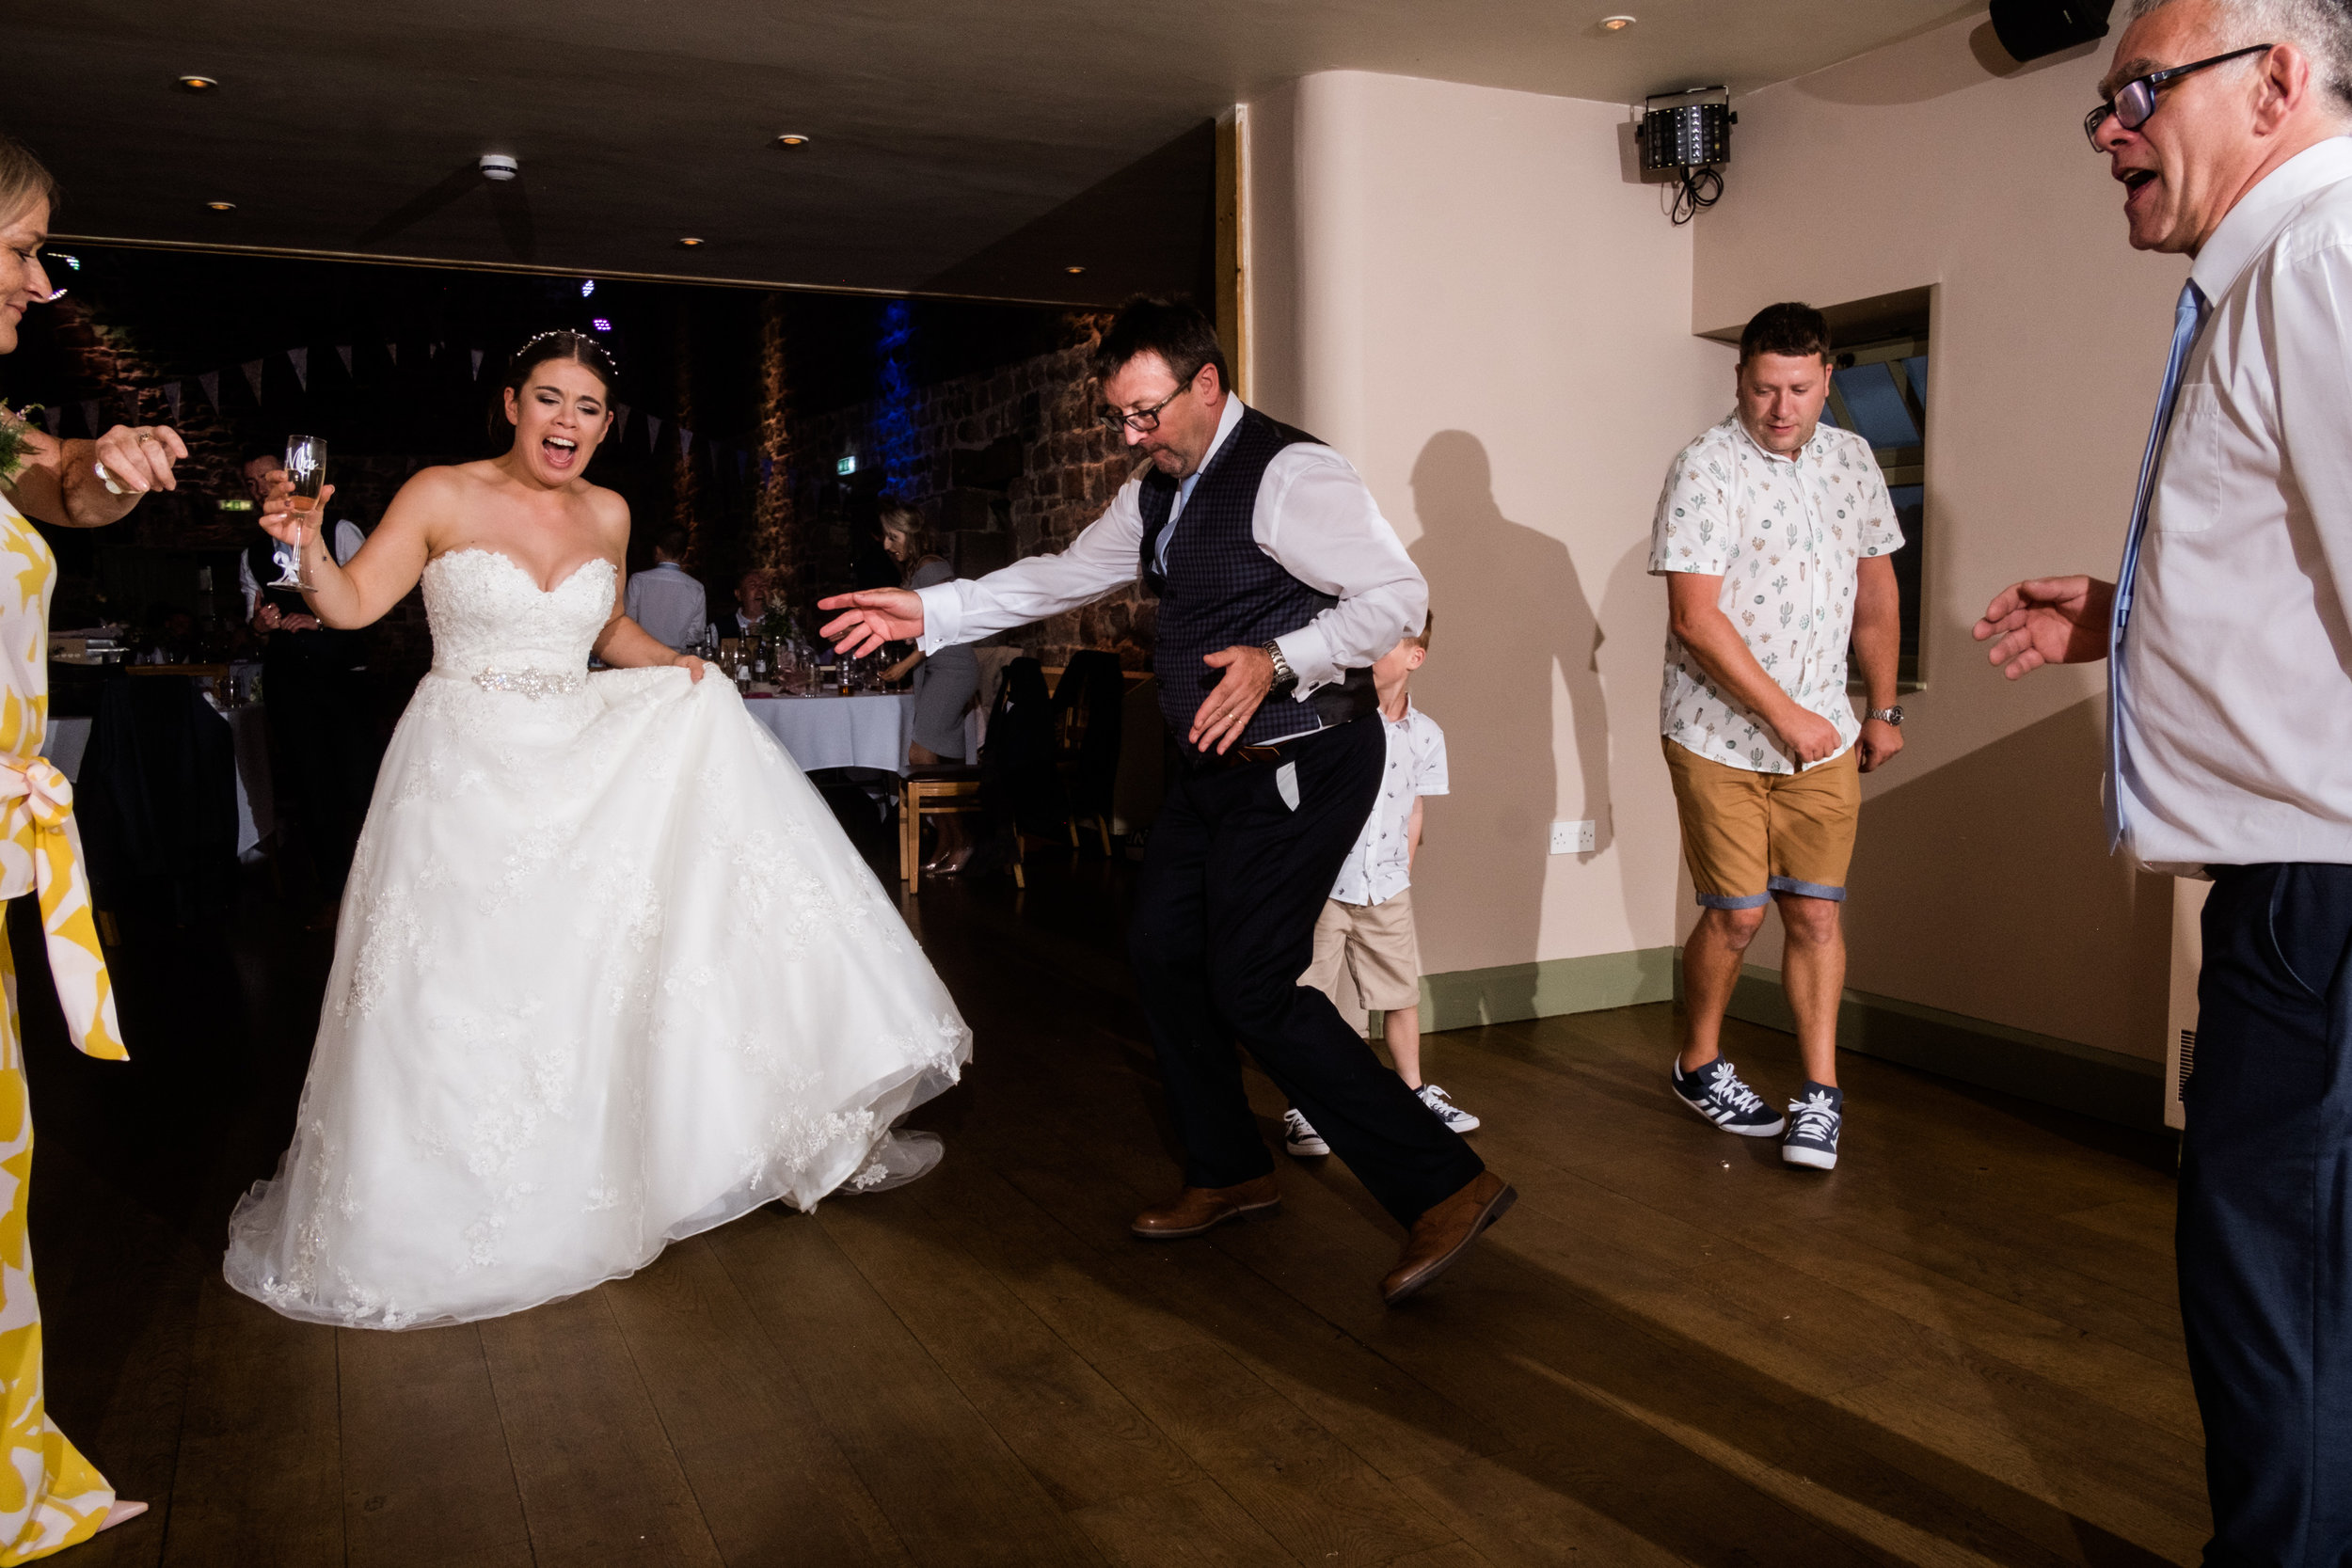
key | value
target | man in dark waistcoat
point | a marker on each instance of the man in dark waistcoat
(1279, 583)
(314, 687)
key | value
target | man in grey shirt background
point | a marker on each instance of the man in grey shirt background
(2229, 636)
(670, 605)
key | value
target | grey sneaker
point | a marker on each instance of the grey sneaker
(1299, 1137)
(1715, 1092)
(1813, 1117)
(1456, 1119)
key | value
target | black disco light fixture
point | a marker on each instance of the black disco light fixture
(2029, 30)
(1689, 134)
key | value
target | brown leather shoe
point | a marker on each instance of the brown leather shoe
(1198, 1209)
(1441, 1236)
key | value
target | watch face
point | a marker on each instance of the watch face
(1894, 717)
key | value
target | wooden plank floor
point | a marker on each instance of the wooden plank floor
(1961, 1348)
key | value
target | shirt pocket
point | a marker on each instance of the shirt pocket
(2188, 477)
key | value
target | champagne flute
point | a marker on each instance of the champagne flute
(305, 465)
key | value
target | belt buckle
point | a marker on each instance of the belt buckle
(1257, 753)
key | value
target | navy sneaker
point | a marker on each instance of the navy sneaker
(1299, 1137)
(1715, 1092)
(1814, 1117)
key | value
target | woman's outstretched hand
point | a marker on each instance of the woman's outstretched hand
(2049, 620)
(876, 617)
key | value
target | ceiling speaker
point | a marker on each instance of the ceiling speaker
(2029, 30)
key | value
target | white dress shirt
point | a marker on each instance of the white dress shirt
(347, 542)
(1314, 517)
(1786, 535)
(2235, 722)
(1380, 866)
(668, 604)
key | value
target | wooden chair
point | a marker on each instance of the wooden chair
(939, 792)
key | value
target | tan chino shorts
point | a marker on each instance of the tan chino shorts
(1748, 835)
(1376, 946)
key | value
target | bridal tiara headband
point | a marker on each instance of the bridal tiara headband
(580, 339)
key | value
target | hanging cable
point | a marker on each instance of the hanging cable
(1701, 186)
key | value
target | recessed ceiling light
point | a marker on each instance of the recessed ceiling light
(792, 138)
(689, 242)
(1073, 271)
(222, 206)
(1616, 23)
(197, 83)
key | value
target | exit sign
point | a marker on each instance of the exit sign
(847, 465)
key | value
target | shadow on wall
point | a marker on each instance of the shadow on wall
(2078, 946)
(1510, 612)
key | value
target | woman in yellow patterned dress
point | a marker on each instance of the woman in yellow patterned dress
(50, 1495)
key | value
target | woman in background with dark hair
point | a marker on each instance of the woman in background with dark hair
(946, 681)
(53, 1497)
(608, 973)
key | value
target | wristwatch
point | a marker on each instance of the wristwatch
(1888, 716)
(1283, 674)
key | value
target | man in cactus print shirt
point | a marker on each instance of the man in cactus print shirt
(1775, 536)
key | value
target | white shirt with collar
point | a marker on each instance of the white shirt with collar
(347, 542)
(1380, 866)
(668, 604)
(1786, 535)
(1315, 518)
(2235, 722)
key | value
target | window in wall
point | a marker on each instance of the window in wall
(1879, 391)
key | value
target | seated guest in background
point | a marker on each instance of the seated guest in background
(2229, 732)
(314, 689)
(665, 601)
(946, 680)
(751, 603)
(1775, 536)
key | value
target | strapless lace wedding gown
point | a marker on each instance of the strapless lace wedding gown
(608, 973)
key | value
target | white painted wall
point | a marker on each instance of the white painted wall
(1458, 288)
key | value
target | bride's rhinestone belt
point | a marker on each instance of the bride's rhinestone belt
(534, 684)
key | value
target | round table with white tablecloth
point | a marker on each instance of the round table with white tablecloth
(871, 730)
(257, 815)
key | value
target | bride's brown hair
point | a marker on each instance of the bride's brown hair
(563, 344)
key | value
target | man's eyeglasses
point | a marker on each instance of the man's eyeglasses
(2135, 99)
(1143, 421)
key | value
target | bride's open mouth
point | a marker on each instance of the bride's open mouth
(561, 453)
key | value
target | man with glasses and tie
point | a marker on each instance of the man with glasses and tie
(2229, 636)
(1278, 584)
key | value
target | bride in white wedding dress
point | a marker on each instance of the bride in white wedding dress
(608, 973)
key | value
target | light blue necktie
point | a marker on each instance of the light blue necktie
(1184, 494)
(2187, 317)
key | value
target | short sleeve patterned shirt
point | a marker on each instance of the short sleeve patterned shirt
(1785, 536)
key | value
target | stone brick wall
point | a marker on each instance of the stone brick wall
(1007, 464)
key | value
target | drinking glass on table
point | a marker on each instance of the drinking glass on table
(305, 468)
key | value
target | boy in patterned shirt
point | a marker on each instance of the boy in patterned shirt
(1774, 534)
(1367, 923)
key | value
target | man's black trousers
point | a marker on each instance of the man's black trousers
(2264, 1240)
(324, 739)
(1241, 862)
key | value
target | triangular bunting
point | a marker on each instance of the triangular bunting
(300, 357)
(392, 351)
(252, 368)
(210, 382)
(653, 431)
(342, 352)
(686, 441)
(767, 469)
(620, 421)
(477, 364)
(90, 416)
(171, 397)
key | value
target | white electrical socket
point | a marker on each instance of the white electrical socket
(1572, 838)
